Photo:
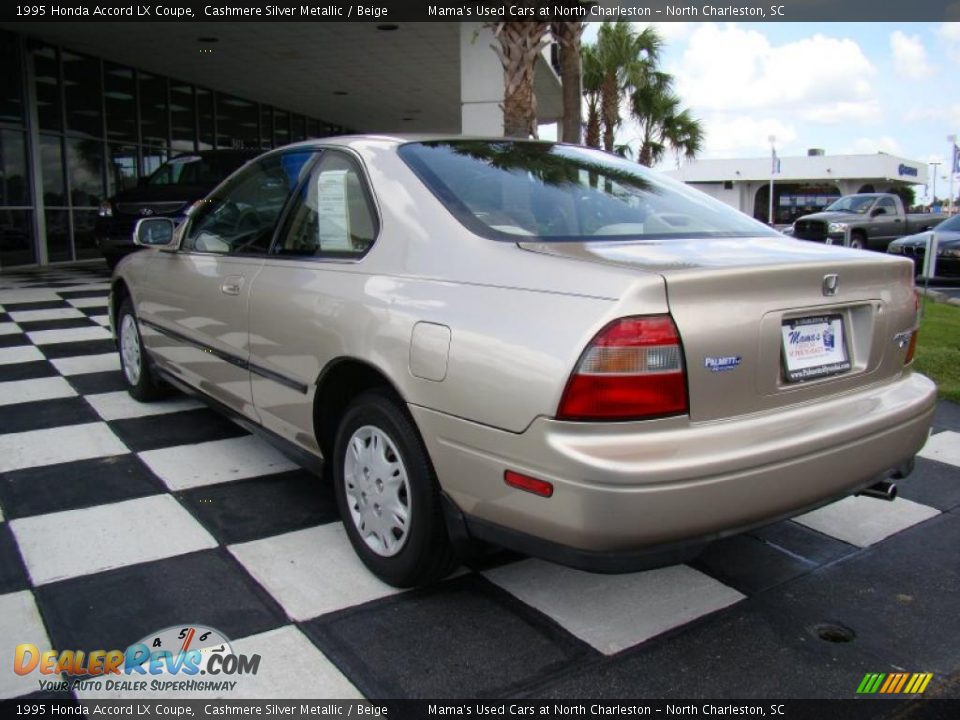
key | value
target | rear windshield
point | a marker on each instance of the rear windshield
(516, 190)
(197, 169)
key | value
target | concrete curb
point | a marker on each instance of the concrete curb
(939, 297)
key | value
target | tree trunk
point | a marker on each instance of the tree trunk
(609, 99)
(567, 34)
(519, 45)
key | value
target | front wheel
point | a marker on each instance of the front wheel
(141, 384)
(858, 241)
(388, 495)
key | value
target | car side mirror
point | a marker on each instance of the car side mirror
(154, 232)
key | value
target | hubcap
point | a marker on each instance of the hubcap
(130, 349)
(378, 492)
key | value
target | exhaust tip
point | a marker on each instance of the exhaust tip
(883, 490)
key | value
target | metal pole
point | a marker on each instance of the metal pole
(952, 139)
(773, 163)
(934, 201)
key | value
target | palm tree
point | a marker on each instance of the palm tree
(519, 45)
(567, 35)
(663, 125)
(626, 58)
(592, 81)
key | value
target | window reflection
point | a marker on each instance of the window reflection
(154, 126)
(46, 80)
(11, 96)
(205, 119)
(122, 172)
(51, 170)
(182, 117)
(16, 238)
(81, 87)
(14, 185)
(85, 172)
(119, 92)
(58, 235)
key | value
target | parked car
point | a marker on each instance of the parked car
(872, 219)
(948, 248)
(168, 192)
(530, 344)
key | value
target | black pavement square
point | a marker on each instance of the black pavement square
(13, 575)
(27, 371)
(61, 324)
(462, 638)
(96, 383)
(39, 305)
(74, 294)
(14, 339)
(182, 428)
(252, 509)
(119, 607)
(932, 483)
(54, 351)
(4, 317)
(806, 544)
(94, 311)
(68, 486)
(42, 414)
(749, 564)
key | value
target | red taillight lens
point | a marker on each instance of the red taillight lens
(530, 484)
(632, 369)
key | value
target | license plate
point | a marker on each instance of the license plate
(814, 347)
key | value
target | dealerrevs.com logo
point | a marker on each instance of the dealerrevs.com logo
(170, 660)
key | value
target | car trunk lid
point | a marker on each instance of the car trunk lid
(732, 298)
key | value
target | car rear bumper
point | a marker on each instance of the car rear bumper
(622, 487)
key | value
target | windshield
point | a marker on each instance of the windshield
(952, 225)
(514, 190)
(196, 170)
(853, 203)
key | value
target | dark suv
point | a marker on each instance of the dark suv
(169, 191)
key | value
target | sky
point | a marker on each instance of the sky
(843, 87)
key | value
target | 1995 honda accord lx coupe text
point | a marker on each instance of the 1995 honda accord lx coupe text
(529, 344)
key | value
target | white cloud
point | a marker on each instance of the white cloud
(741, 135)
(944, 115)
(669, 31)
(910, 56)
(729, 68)
(949, 34)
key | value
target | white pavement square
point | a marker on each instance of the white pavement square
(864, 521)
(614, 612)
(9, 328)
(311, 572)
(81, 334)
(84, 364)
(58, 445)
(20, 623)
(88, 302)
(943, 447)
(209, 463)
(21, 391)
(114, 535)
(19, 354)
(49, 314)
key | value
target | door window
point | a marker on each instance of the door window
(240, 217)
(333, 215)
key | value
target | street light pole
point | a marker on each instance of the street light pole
(952, 139)
(934, 201)
(773, 169)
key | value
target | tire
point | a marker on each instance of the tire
(139, 378)
(858, 241)
(380, 463)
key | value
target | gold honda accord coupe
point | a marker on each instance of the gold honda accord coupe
(526, 344)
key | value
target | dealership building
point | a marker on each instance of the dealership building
(88, 108)
(802, 184)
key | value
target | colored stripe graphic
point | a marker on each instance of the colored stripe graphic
(894, 683)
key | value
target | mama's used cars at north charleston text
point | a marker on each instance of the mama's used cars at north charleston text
(535, 345)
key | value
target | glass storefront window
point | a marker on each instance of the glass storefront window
(122, 171)
(14, 177)
(84, 244)
(266, 127)
(313, 128)
(236, 122)
(58, 235)
(298, 128)
(153, 158)
(11, 95)
(154, 123)
(85, 172)
(281, 128)
(51, 170)
(205, 119)
(16, 238)
(82, 91)
(47, 80)
(182, 117)
(120, 93)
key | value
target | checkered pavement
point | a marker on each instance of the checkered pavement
(119, 519)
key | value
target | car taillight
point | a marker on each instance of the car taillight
(912, 347)
(631, 370)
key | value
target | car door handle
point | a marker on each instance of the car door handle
(231, 285)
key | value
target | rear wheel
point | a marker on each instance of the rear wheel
(141, 384)
(388, 495)
(858, 241)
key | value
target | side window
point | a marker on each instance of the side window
(333, 215)
(241, 217)
(888, 205)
